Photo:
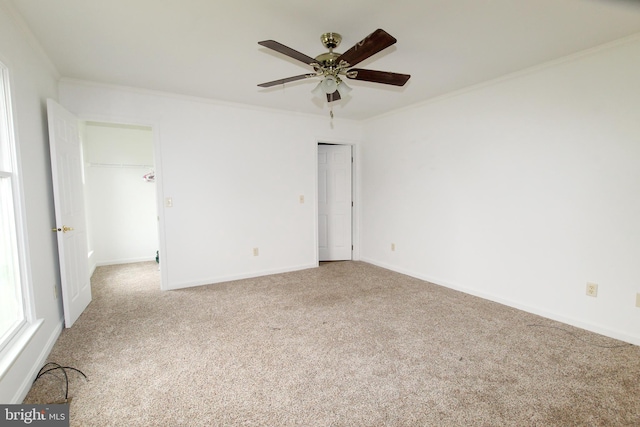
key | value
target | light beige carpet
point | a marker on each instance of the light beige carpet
(346, 344)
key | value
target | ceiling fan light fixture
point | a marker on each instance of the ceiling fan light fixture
(329, 84)
(343, 89)
(318, 91)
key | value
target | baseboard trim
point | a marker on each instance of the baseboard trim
(598, 329)
(124, 261)
(232, 277)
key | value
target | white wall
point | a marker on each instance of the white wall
(234, 174)
(33, 80)
(521, 190)
(121, 206)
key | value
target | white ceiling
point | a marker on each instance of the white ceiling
(208, 48)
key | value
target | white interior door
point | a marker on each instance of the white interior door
(66, 170)
(334, 202)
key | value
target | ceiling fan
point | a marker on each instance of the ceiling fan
(331, 66)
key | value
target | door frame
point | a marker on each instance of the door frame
(355, 197)
(157, 158)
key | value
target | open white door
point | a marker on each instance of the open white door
(334, 202)
(66, 170)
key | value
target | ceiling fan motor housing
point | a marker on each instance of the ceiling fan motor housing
(330, 41)
(328, 59)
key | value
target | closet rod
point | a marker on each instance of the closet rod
(119, 165)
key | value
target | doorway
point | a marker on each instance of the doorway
(120, 193)
(335, 202)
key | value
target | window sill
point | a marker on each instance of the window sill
(16, 346)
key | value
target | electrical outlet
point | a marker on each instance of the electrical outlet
(168, 202)
(393, 247)
(55, 291)
(592, 289)
(638, 300)
(256, 252)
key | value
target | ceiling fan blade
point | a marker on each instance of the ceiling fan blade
(285, 50)
(384, 77)
(335, 96)
(287, 80)
(369, 46)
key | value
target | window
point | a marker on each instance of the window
(12, 307)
